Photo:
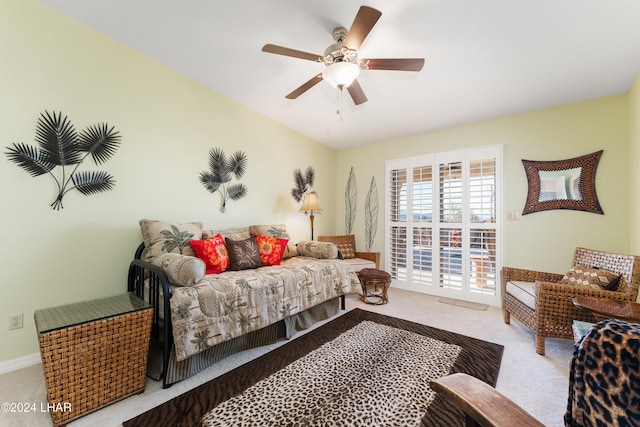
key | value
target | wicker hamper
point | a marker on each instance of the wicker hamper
(93, 353)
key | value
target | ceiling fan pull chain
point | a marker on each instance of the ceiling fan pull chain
(339, 110)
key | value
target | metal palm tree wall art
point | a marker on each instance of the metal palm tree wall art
(60, 145)
(303, 183)
(221, 171)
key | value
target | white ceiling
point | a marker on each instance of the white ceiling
(484, 59)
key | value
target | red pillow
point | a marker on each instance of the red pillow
(213, 252)
(271, 249)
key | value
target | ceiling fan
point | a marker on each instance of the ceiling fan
(341, 58)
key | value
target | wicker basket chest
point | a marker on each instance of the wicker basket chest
(93, 353)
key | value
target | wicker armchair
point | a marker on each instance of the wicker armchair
(347, 246)
(553, 313)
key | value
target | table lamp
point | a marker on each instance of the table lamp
(309, 205)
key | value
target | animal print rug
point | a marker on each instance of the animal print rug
(361, 368)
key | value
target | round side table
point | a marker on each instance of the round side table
(375, 284)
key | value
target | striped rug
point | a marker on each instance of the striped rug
(361, 368)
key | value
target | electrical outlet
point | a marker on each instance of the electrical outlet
(16, 321)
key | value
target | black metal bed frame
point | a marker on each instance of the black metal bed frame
(142, 273)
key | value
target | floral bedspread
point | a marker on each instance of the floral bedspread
(224, 306)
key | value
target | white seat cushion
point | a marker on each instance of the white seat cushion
(523, 292)
(358, 263)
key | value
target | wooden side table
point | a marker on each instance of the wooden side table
(93, 353)
(603, 308)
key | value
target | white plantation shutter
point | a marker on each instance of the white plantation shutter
(397, 233)
(420, 220)
(450, 192)
(482, 187)
(451, 233)
(482, 231)
(442, 217)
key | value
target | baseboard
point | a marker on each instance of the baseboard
(19, 363)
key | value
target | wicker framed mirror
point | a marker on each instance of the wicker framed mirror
(562, 184)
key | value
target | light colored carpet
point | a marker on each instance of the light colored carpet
(537, 383)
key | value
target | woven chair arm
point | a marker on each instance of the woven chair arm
(571, 291)
(510, 273)
(555, 302)
(371, 256)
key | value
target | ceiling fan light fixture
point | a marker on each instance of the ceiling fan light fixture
(341, 74)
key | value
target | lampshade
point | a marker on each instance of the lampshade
(341, 74)
(310, 202)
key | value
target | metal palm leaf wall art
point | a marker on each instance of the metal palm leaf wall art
(371, 215)
(371, 208)
(303, 182)
(221, 171)
(350, 202)
(60, 145)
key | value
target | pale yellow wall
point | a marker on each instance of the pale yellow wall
(544, 240)
(168, 125)
(634, 170)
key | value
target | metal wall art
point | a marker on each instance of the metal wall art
(303, 183)
(350, 202)
(371, 208)
(60, 145)
(221, 171)
(563, 184)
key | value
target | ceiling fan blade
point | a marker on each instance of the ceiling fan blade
(305, 87)
(279, 50)
(362, 25)
(356, 92)
(404, 64)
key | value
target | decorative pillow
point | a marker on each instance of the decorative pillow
(182, 270)
(271, 249)
(213, 252)
(243, 254)
(233, 234)
(279, 231)
(164, 237)
(592, 277)
(321, 250)
(347, 250)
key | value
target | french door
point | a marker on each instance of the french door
(442, 223)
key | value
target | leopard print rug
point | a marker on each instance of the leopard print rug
(370, 375)
(374, 382)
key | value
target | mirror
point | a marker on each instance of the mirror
(562, 184)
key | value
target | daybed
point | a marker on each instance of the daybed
(203, 315)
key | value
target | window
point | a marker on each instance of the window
(442, 223)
